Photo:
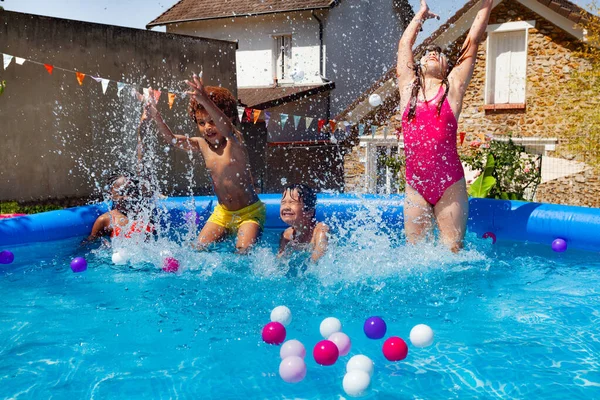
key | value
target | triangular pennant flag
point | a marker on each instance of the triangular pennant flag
(96, 78)
(120, 86)
(256, 114)
(267, 118)
(284, 118)
(49, 68)
(361, 129)
(385, 132)
(320, 124)
(348, 126)
(146, 92)
(156, 94)
(296, 121)
(80, 76)
(309, 121)
(481, 137)
(240, 113)
(7, 60)
(332, 125)
(172, 96)
(20, 61)
(104, 83)
(248, 112)
(462, 137)
(373, 130)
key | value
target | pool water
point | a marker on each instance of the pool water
(510, 320)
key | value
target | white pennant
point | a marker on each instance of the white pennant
(19, 60)
(7, 60)
(104, 84)
(240, 113)
(120, 86)
(385, 132)
(309, 121)
(97, 79)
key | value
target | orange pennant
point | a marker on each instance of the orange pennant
(49, 68)
(256, 115)
(481, 137)
(156, 94)
(332, 125)
(171, 100)
(80, 76)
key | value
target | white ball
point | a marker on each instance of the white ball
(421, 336)
(292, 369)
(362, 363)
(375, 100)
(330, 326)
(120, 257)
(342, 341)
(281, 314)
(356, 382)
(292, 348)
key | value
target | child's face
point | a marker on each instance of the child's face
(207, 128)
(292, 210)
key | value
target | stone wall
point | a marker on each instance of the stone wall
(581, 189)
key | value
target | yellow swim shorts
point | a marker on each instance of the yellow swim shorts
(255, 213)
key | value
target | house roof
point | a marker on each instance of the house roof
(193, 10)
(267, 97)
(564, 8)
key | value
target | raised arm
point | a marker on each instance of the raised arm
(222, 122)
(321, 242)
(404, 68)
(180, 141)
(460, 76)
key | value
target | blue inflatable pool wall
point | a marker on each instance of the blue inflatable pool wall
(507, 220)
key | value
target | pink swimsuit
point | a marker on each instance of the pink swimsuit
(432, 162)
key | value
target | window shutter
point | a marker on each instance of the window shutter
(502, 84)
(518, 66)
(508, 66)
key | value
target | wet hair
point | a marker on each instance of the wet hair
(222, 98)
(306, 193)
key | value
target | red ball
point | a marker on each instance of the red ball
(395, 349)
(273, 333)
(326, 352)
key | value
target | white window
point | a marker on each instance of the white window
(282, 58)
(506, 66)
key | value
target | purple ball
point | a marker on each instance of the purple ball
(375, 328)
(78, 264)
(6, 257)
(192, 217)
(559, 245)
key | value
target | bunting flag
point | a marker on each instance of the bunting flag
(240, 109)
(248, 112)
(146, 92)
(19, 60)
(256, 115)
(49, 68)
(385, 132)
(309, 121)
(348, 126)
(120, 86)
(267, 118)
(462, 136)
(320, 124)
(284, 118)
(7, 59)
(171, 97)
(96, 78)
(156, 94)
(296, 121)
(332, 125)
(80, 77)
(104, 83)
(373, 130)
(481, 137)
(361, 129)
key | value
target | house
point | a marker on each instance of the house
(298, 62)
(524, 63)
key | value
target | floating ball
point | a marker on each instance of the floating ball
(559, 245)
(395, 349)
(362, 363)
(375, 327)
(326, 352)
(342, 341)
(6, 257)
(273, 333)
(292, 369)
(78, 264)
(192, 217)
(120, 257)
(356, 382)
(281, 314)
(375, 100)
(421, 336)
(489, 235)
(329, 326)
(292, 348)
(170, 264)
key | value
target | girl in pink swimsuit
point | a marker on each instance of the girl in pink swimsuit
(431, 95)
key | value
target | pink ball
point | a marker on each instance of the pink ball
(292, 369)
(170, 264)
(292, 348)
(273, 333)
(342, 341)
(326, 352)
(395, 349)
(490, 235)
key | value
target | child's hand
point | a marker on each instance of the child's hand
(150, 107)
(426, 13)
(198, 92)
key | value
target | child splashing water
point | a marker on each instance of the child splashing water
(214, 111)
(431, 96)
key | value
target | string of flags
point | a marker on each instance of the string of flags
(252, 115)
